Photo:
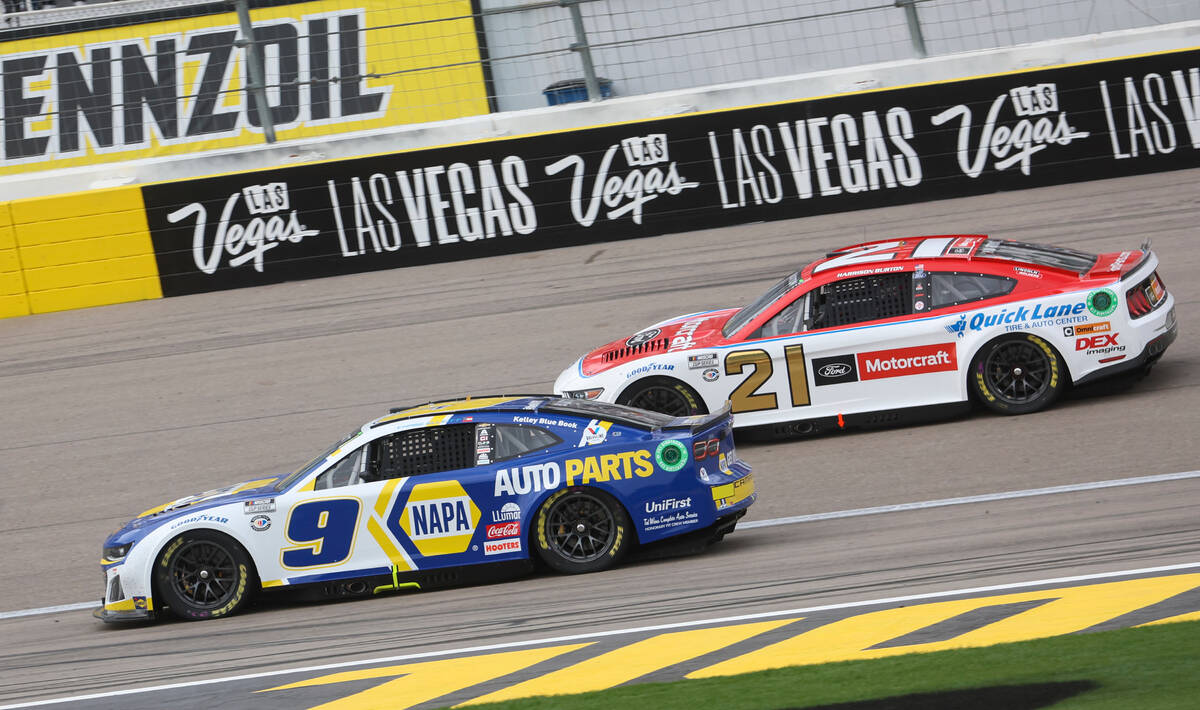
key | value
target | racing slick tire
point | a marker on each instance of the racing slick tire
(664, 395)
(1017, 374)
(204, 574)
(582, 530)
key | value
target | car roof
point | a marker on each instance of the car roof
(896, 254)
(531, 404)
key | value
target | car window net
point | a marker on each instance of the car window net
(428, 450)
(1040, 254)
(863, 299)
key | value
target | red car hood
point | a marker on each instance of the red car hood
(700, 330)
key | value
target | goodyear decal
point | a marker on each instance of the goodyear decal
(820, 637)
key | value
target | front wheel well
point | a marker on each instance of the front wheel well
(663, 392)
(158, 556)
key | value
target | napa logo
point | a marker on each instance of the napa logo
(439, 518)
(959, 327)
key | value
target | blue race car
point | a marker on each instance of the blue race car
(435, 495)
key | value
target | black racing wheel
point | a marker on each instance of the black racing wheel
(665, 395)
(1017, 374)
(582, 530)
(204, 574)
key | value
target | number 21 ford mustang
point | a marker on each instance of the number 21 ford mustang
(436, 495)
(879, 330)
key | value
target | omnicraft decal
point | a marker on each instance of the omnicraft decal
(856, 151)
(177, 86)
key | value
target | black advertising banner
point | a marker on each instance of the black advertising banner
(888, 147)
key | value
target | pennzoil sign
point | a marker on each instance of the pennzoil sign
(174, 87)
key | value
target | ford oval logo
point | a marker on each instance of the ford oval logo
(834, 369)
(643, 337)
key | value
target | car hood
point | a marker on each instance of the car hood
(189, 505)
(687, 332)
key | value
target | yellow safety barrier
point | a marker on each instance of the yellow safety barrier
(75, 251)
(14, 298)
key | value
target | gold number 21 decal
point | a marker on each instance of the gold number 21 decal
(747, 398)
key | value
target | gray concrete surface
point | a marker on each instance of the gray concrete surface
(109, 411)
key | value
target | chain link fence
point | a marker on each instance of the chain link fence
(431, 60)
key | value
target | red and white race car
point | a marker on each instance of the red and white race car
(879, 330)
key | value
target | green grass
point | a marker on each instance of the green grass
(1127, 669)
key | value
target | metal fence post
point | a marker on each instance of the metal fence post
(580, 45)
(914, 26)
(254, 59)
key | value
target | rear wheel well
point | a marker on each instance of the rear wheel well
(981, 381)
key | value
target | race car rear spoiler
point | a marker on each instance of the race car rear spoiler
(701, 422)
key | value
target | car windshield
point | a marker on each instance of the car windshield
(1039, 254)
(314, 461)
(760, 304)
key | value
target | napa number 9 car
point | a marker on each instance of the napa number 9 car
(440, 494)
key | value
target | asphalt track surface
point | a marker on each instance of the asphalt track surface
(109, 411)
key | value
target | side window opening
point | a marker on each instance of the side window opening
(954, 288)
(514, 440)
(861, 299)
(346, 472)
(789, 320)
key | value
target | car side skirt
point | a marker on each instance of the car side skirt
(861, 420)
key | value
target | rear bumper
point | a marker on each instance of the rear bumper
(1151, 353)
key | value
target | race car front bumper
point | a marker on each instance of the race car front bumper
(108, 614)
(118, 604)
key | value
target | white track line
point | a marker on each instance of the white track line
(617, 632)
(970, 499)
(1159, 478)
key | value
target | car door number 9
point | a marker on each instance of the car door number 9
(322, 532)
(746, 397)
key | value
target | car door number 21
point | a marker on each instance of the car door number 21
(746, 397)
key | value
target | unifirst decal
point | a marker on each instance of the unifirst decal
(609, 467)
